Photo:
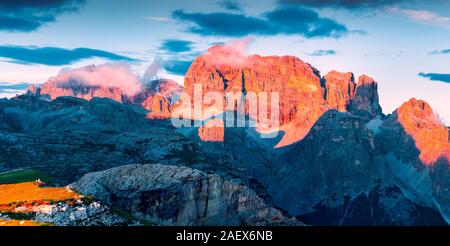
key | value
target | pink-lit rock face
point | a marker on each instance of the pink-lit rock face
(105, 81)
(212, 131)
(340, 90)
(52, 90)
(298, 84)
(32, 89)
(156, 96)
(158, 105)
(430, 135)
(164, 87)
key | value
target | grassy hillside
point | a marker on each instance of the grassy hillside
(23, 175)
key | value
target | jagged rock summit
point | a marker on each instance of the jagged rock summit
(339, 90)
(156, 96)
(304, 95)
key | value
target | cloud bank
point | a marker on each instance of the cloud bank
(13, 88)
(27, 16)
(290, 20)
(53, 56)
(348, 4)
(442, 77)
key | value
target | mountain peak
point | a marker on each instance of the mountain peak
(419, 105)
(365, 80)
(339, 89)
(366, 103)
(422, 124)
(418, 110)
(225, 69)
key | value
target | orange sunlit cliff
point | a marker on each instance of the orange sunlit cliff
(422, 124)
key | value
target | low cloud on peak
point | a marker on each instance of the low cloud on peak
(104, 76)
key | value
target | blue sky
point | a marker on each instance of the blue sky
(403, 44)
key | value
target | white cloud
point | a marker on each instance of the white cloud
(159, 19)
(423, 16)
(11, 94)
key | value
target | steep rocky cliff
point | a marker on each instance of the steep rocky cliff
(339, 90)
(366, 103)
(298, 84)
(171, 195)
(415, 145)
(304, 95)
(336, 177)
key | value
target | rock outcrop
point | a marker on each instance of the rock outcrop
(339, 90)
(212, 131)
(415, 130)
(366, 102)
(78, 214)
(430, 135)
(334, 161)
(158, 97)
(171, 195)
(416, 146)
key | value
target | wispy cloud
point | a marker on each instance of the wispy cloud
(53, 56)
(440, 52)
(13, 87)
(323, 53)
(442, 77)
(423, 16)
(176, 45)
(160, 19)
(230, 5)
